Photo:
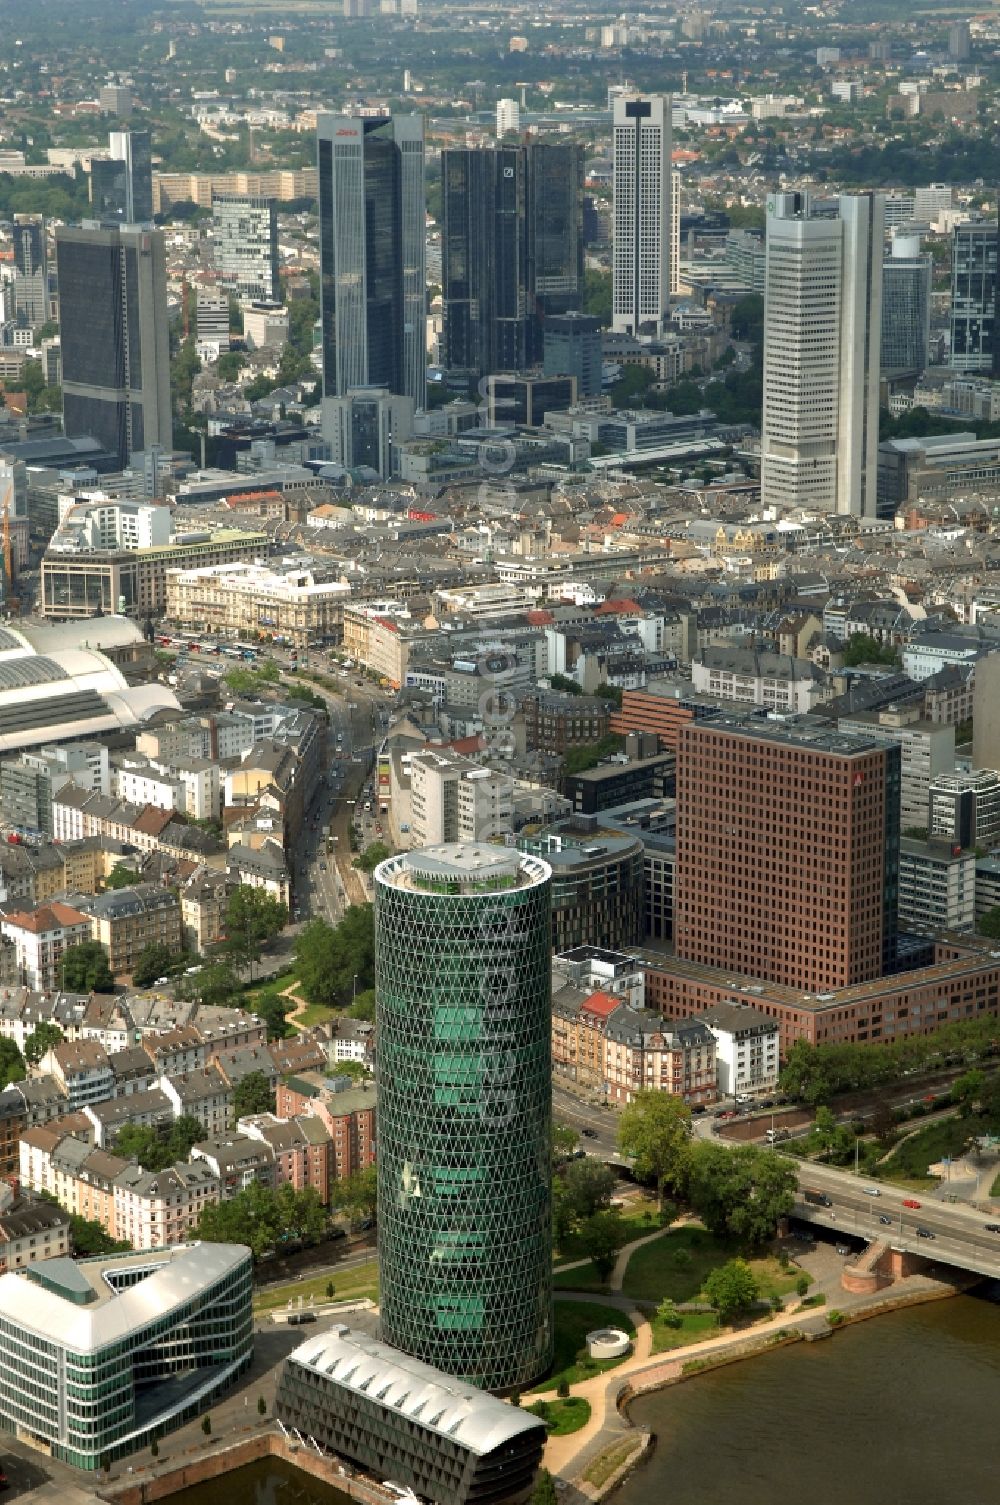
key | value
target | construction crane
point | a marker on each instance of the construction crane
(11, 603)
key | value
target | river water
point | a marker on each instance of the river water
(899, 1410)
(269, 1482)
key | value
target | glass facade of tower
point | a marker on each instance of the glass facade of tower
(372, 253)
(463, 987)
(511, 250)
(974, 292)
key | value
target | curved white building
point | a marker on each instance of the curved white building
(102, 1355)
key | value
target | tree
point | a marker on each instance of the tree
(12, 1067)
(328, 959)
(261, 1406)
(253, 1094)
(731, 1288)
(154, 1152)
(215, 985)
(253, 917)
(206, 1425)
(563, 1217)
(89, 1237)
(363, 1006)
(667, 1313)
(966, 1090)
(988, 924)
(85, 969)
(655, 1135)
(601, 1237)
(373, 854)
(589, 1185)
(42, 1038)
(156, 960)
(740, 1192)
(544, 1491)
(825, 1129)
(356, 1195)
(251, 1218)
(301, 1214)
(802, 1284)
(597, 294)
(564, 1141)
(120, 876)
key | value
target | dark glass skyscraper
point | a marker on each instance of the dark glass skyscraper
(121, 185)
(463, 999)
(512, 250)
(115, 337)
(372, 259)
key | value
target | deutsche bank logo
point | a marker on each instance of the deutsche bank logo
(508, 172)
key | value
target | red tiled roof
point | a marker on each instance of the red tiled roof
(601, 1004)
(54, 916)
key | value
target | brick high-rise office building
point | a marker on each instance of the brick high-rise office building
(787, 852)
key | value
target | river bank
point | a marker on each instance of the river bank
(899, 1409)
(594, 1463)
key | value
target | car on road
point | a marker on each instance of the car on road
(886, 1219)
(295, 1319)
(322, 867)
(871, 1191)
(910, 1202)
(589, 1133)
(924, 1233)
(843, 1249)
(992, 1227)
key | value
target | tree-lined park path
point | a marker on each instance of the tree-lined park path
(301, 1004)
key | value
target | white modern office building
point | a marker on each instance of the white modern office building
(102, 1355)
(643, 217)
(822, 329)
(245, 246)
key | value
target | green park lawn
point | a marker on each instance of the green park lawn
(573, 1321)
(677, 1265)
(352, 1285)
(563, 1416)
(694, 1327)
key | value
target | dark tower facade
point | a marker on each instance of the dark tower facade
(512, 251)
(372, 253)
(115, 337)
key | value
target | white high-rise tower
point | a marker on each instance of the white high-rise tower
(822, 327)
(642, 214)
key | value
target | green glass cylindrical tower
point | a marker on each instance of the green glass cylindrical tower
(464, 1073)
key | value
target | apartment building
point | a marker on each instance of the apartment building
(41, 937)
(746, 1048)
(127, 920)
(202, 1093)
(555, 721)
(348, 1117)
(155, 1209)
(301, 1149)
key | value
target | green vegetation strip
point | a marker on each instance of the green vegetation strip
(610, 1461)
(352, 1285)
